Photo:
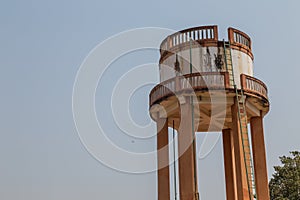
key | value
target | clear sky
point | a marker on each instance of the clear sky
(43, 44)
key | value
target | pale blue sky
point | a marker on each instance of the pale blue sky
(43, 44)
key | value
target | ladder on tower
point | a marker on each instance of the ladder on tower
(228, 62)
(242, 115)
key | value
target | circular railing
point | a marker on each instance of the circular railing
(202, 33)
(204, 81)
(189, 83)
(254, 86)
(205, 35)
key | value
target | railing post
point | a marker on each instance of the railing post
(216, 35)
(168, 43)
(243, 81)
(177, 84)
(226, 80)
(231, 36)
(250, 44)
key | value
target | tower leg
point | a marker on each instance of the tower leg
(187, 175)
(241, 175)
(163, 179)
(259, 158)
(229, 164)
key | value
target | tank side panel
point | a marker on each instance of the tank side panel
(203, 60)
(166, 69)
(242, 64)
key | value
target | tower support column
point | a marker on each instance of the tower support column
(259, 158)
(187, 172)
(229, 164)
(163, 180)
(240, 169)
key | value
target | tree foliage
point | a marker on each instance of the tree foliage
(285, 183)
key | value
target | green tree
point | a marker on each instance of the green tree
(285, 183)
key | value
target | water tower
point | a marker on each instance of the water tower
(207, 85)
